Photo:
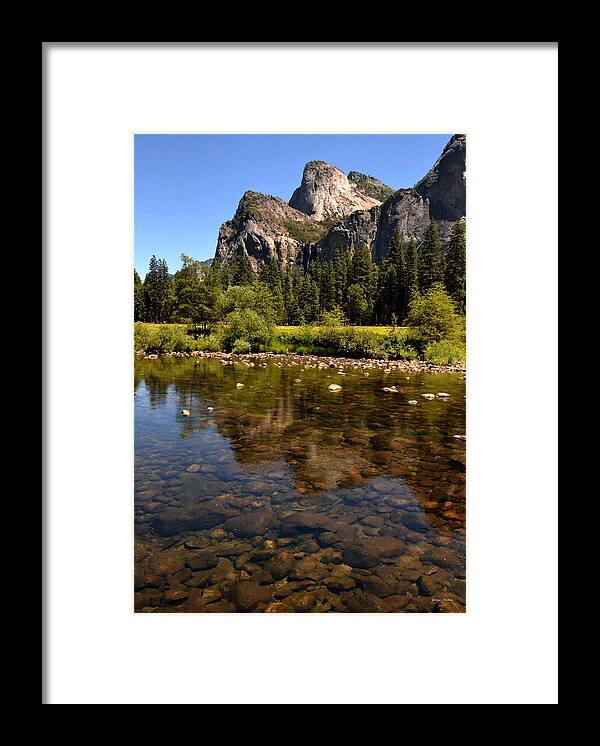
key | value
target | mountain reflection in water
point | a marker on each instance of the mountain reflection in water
(288, 497)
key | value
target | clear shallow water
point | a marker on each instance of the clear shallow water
(288, 497)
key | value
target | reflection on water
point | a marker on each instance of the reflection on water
(282, 496)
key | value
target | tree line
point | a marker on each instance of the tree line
(350, 287)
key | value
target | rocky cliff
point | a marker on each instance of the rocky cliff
(330, 211)
(405, 212)
(263, 228)
(326, 192)
(445, 184)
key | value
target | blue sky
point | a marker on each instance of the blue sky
(187, 185)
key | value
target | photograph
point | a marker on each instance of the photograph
(299, 306)
(289, 335)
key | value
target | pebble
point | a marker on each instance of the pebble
(334, 387)
(185, 412)
(428, 396)
(239, 385)
(414, 401)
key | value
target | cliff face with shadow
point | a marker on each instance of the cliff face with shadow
(332, 212)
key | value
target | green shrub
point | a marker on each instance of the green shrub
(432, 317)
(141, 337)
(397, 346)
(446, 352)
(241, 347)
(246, 325)
(345, 341)
(171, 338)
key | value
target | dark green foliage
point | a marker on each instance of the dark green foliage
(456, 265)
(139, 308)
(197, 291)
(241, 272)
(271, 276)
(158, 292)
(431, 258)
(393, 291)
(357, 304)
(412, 269)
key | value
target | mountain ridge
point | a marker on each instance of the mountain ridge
(331, 212)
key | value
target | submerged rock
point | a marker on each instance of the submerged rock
(334, 387)
(185, 412)
(193, 518)
(442, 557)
(301, 601)
(246, 595)
(202, 561)
(339, 581)
(251, 524)
(358, 556)
(448, 606)
(175, 596)
(278, 607)
(281, 565)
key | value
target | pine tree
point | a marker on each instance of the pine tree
(364, 273)
(158, 291)
(327, 290)
(357, 304)
(341, 269)
(412, 270)
(307, 297)
(292, 310)
(398, 278)
(166, 298)
(456, 265)
(151, 290)
(139, 310)
(270, 274)
(431, 258)
(242, 272)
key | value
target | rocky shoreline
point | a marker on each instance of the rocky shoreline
(313, 361)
